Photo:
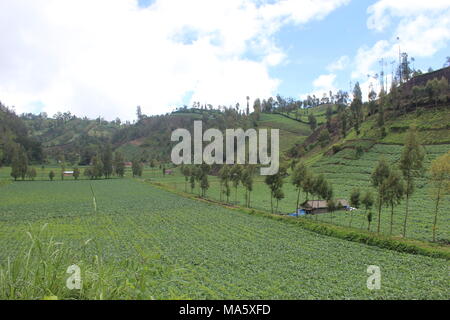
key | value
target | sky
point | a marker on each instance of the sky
(106, 57)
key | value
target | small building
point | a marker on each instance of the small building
(321, 206)
(128, 164)
(68, 173)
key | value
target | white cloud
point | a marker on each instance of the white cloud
(324, 81)
(322, 84)
(382, 12)
(106, 57)
(339, 64)
(423, 29)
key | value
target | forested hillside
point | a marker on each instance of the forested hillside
(15, 139)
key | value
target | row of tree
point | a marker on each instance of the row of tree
(393, 184)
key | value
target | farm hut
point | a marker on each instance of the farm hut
(68, 173)
(321, 206)
(128, 164)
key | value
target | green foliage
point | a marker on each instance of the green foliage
(137, 168)
(107, 160)
(119, 164)
(440, 176)
(96, 168)
(324, 138)
(312, 122)
(31, 173)
(76, 173)
(411, 165)
(355, 198)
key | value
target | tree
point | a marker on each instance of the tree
(63, 169)
(76, 173)
(432, 89)
(379, 176)
(247, 182)
(442, 89)
(248, 105)
(369, 220)
(23, 163)
(31, 173)
(119, 164)
(343, 122)
(312, 122)
(394, 192)
(332, 207)
(198, 177)
(324, 138)
(186, 172)
(275, 184)
(107, 159)
(204, 184)
(139, 113)
(192, 180)
(308, 185)
(368, 201)
(51, 175)
(417, 92)
(440, 176)
(235, 177)
(298, 178)
(355, 199)
(372, 103)
(320, 187)
(97, 167)
(15, 167)
(137, 168)
(447, 62)
(356, 107)
(382, 101)
(224, 176)
(278, 194)
(411, 165)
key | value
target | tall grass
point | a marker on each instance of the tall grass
(40, 272)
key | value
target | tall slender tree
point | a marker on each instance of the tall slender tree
(394, 192)
(440, 176)
(107, 159)
(247, 182)
(411, 165)
(355, 199)
(379, 176)
(235, 177)
(368, 201)
(298, 178)
(119, 164)
(15, 166)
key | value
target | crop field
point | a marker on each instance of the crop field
(432, 125)
(345, 173)
(200, 250)
(291, 132)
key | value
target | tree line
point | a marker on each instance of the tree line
(392, 184)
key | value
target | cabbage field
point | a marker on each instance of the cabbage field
(155, 244)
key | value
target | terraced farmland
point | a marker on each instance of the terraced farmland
(214, 252)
